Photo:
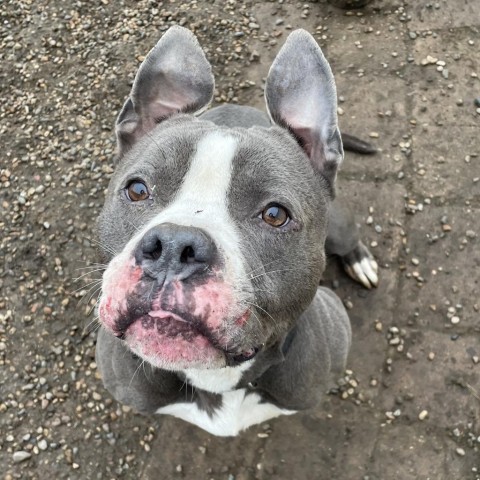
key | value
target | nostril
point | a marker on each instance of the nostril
(153, 250)
(187, 255)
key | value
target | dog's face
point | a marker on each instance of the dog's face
(215, 236)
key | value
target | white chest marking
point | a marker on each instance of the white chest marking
(218, 380)
(238, 412)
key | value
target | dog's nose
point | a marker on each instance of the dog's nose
(169, 251)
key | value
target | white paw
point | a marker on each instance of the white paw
(362, 267)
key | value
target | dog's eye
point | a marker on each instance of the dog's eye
(137, 191)
(275, 215)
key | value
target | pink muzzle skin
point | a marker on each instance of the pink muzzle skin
(182, 325)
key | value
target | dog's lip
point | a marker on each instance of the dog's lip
(243, 356)
(234, 356)
(165, 315)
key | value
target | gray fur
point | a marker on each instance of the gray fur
(237, 116)
(303, 329)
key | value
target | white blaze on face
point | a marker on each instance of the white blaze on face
(201, 202)
(202, 199)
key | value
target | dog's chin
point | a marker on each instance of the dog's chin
(174, 353)
(168, 342)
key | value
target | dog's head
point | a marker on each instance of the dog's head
(215, 236)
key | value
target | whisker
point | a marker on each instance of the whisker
(96, 322)
(94, 265)
(262, 309)
(274, 271)
(263, 265)
(87, 273)
(93, 282)
(135, 372)
(108, 248)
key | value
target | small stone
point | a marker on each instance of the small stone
(423, 415)
(431, 356)
(373, 135)
(21, 456)
(455, 320)
(178, 468)
(415, 261)
(460, 451)
(429, 60)
(476, 102)
(42, 444)
(412, 35)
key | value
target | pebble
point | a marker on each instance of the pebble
(460, 452)
(21, 456)
(455, 320)
(429, 60)
(423, 415)
(42, 444)
(64, 129)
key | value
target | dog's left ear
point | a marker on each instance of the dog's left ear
(301, 96)
(174, 77)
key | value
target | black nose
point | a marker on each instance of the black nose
(170, 251)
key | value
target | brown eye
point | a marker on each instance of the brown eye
(275, 215)
(137, 191)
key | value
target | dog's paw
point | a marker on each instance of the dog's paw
(361, 266)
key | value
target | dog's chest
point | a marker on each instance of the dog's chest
(237, 409)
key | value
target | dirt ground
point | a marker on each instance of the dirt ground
(408, 79)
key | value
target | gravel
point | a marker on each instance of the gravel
(66, 69)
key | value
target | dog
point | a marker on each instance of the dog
(216, 228)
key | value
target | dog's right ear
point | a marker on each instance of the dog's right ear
(174, 77)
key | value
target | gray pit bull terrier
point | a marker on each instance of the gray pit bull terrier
(215, 229)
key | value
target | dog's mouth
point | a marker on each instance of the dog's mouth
(179, 325)
(162, 335)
